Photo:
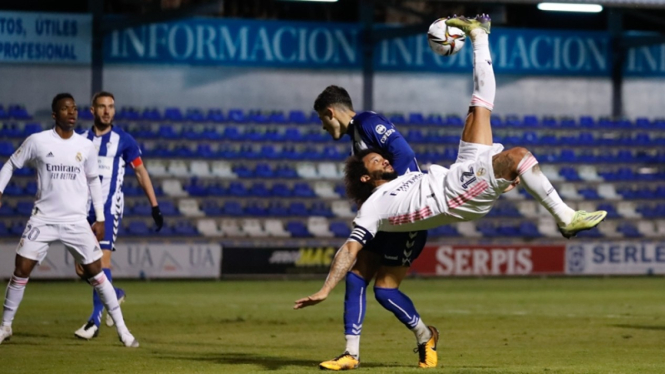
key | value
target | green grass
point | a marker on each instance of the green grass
(573, 325)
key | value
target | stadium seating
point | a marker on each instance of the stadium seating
(264, 174)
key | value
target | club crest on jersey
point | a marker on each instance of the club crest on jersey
(471, 178)
(380, 129)
(481, 172)
(79, 157)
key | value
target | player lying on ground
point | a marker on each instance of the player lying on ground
(67, 171)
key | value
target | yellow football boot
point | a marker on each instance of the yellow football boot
(343, 362)
(427, 351)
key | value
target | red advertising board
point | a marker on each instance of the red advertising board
(491, 260)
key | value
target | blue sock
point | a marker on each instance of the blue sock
(395, 301)
(97, 306)
(355, 302)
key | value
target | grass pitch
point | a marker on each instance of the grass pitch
(572, 325)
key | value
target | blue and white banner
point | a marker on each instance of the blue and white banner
(54, 38)
(338, 46)
(615, 258)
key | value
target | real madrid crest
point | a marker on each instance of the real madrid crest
(480, 172)
(79, 158)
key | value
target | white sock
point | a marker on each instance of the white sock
(537, 184)
(107, 294)
(13, 297)
(422, 332)
(353, 345)
(484, 83)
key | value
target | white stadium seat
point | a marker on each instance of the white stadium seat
(468, 229)
(568, 191)
(342, 208)
(275, 228)
(587, 206)
(178, 168)
(608, 192)
(230, 228)
(551, 172)
(306, 170)
(190, 208)
(325, 189)
(222, 169)
(589, 173)
(528, 208)
(329, 170)
(156, 168)
(173, 187)
(660, 227)
(647, 228)
(252, 227)
(319, 227)
(609, 229)
(200, 169)
(208, 227)
(627, 209)
(513, 194)
(547, 226)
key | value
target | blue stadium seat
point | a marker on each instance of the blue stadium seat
(589, 193)
(298, 117)
(194, 115)
(285, 171)
(508, 229)
(628, 230)
(569, 173)
(397, 119)
(256, 209)
(611, 210)
(237, 116)
(416, 119)
(297, 229)
(268, 152)
(215, 115)
(529, 229)
(184, 228)
(17, 228)
(242, 171)
(142, 208)
(264, 170)
(6, 149)
(3, 229)
(277, 209)
(237, 189)
(298, 209)
(233, 208)
(24, 208)
(3, 113)
(173, 114)
(167, 208)
(6, 210)
(138, 228)
(196, 188)
(281, 190)
(31, 128)
(302, 189)
(211, 208)
(19, 112)
(259, 189)
(319, 208)
(435, 120)
(14, 189)
(340, 229)
(487, 229)
(167, 131)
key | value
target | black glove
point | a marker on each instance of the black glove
(157, 216)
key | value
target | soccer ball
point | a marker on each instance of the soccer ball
(443, 39)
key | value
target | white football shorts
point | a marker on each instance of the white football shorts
(470, 187)
(77, 237)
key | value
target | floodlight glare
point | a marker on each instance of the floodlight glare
(569, 7)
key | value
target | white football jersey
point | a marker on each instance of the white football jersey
(63, 166)
(412, 202)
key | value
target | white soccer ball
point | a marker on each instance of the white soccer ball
(443, 39)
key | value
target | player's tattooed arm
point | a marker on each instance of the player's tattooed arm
(341, 264)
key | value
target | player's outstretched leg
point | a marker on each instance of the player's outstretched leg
(108, 296)
(13, 297)
(477, 128)
(519, 162)
(121, 295)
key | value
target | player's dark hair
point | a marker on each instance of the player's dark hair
(354, 169)
(101, 94)
(333, 95)
(59, 97)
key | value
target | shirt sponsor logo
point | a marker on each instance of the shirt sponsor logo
(385, 137)
(50, 154)
(380, 129)
(405, 186)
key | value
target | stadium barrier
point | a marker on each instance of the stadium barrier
(131, 260)
(148, 261)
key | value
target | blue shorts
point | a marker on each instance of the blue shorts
(397, 248)
(111, 224)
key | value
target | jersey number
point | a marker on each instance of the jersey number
(31, 233)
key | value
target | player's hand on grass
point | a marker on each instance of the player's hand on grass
(98, 229)
(310, 300)
(157, 216)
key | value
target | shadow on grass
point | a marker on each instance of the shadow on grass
(267, 362)
(641, 327)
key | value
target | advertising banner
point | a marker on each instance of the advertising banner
(130, 260)
(305, 260)
(615, 258)
(284, 44)
(53, 38)
(491, 260)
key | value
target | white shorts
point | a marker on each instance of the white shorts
(77, 237)
(470, 187)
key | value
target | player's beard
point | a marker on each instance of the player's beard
(384, 175)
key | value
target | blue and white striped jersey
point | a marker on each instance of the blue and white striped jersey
(116, 149)
(372, 130)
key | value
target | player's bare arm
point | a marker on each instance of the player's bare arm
(143, 178)
(342, 263)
